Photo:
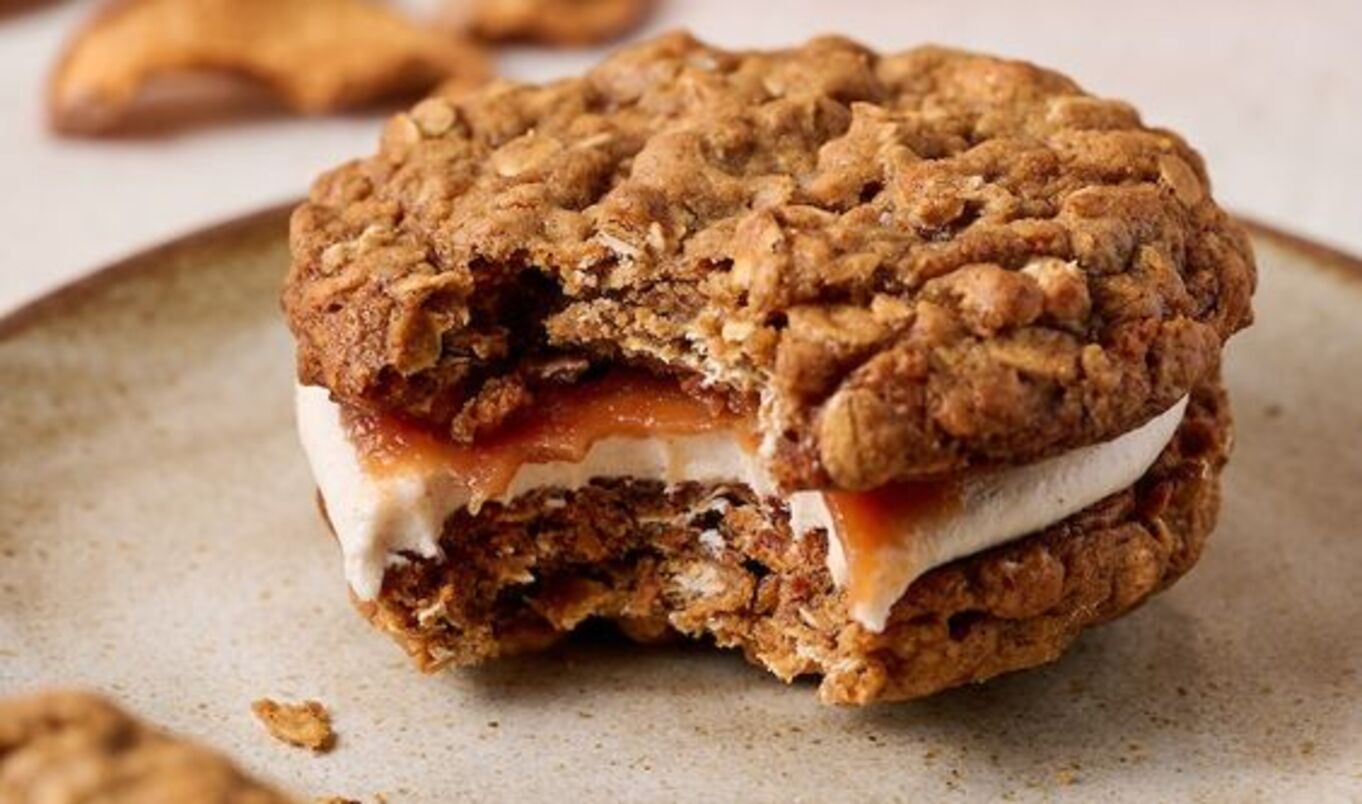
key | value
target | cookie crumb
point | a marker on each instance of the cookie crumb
(306, 724)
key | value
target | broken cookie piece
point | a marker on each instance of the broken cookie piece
(316, 56)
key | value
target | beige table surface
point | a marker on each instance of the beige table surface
(1269, 90)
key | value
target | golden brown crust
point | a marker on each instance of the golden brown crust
(715, 562)
(920, 261)
(75, 746)
(315, 55)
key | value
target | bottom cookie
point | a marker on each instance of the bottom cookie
(716, 562)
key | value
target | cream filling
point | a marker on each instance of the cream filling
(1002, 505)
(379, 520)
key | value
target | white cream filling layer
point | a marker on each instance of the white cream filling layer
(378, 519)
(999, 506)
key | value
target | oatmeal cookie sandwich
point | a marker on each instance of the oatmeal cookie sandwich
(898, 370)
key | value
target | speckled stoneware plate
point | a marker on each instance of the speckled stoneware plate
(159, 541)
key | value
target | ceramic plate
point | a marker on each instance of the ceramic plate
(159, 541)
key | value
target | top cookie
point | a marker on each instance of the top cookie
(912, 263)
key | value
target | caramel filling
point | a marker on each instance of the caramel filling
(563, 426)
(875, 527)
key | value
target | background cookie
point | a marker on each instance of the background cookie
(76, 746)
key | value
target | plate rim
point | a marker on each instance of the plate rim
(87, 283)
(149, 268)
(1343, 263)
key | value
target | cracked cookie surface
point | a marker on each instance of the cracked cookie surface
(914, 262)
